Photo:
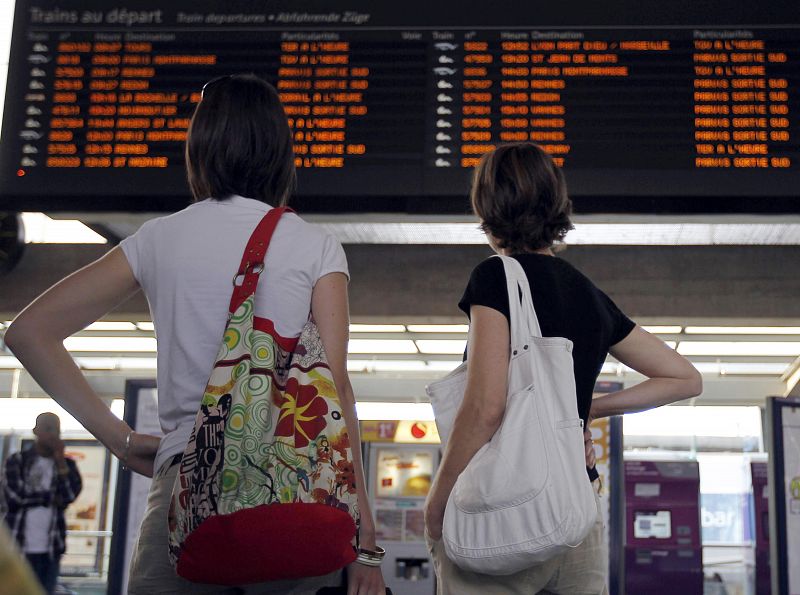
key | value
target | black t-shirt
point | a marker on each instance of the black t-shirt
(567, 305)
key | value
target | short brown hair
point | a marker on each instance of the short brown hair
(521, 198)
(239, 142)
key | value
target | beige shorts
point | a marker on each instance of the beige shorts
(582, 571)
(151, 572)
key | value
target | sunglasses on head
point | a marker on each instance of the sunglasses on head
(211, 83)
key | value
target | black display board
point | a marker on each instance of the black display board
(650, 106)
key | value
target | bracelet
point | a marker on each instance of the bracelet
(370, 557)
(124, 458)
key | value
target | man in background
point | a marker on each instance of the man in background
(39, 484)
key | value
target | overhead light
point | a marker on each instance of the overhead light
(585, 233)
(711, 420)
(41, 229)
(443, 347)
(443, 366)
(438, 328)
(9, 362)
(377, 328)
(116, 363)
(743, 330)
(741, 368)
(377, 365)
(741, 348)
(101, 344)
(382, 346)
(111, 326)
(21, 414)
(375, 411)
(145, 326)
(663, 330)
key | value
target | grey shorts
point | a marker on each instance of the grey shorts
(151, 572)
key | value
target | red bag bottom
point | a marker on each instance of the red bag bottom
(268, 542)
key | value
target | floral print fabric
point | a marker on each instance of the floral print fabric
(270, 430)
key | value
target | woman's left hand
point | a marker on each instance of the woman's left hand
(364, 580)
(141, 453)
(588, 446)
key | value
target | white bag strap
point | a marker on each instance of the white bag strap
(523, 321)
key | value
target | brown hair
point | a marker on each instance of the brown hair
(521, 198)
(239, 142)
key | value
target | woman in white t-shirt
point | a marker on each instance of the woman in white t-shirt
(240, 164)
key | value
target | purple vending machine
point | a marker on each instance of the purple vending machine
(759, 471)
(663, 547)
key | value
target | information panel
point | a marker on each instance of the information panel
(648, 105)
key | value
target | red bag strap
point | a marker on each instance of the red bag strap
(253, 258)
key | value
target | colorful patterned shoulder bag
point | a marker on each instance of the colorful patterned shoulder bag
(266, 488)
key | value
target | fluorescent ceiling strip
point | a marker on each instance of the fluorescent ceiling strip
(715, 421)
(741, 369)
(663, 330)
(443, 366)
(443, 347)
(117, 363)
(20, 414)
(438, 328)
(386, 365)
(111, 326)
(115, 344)
(609, 234)
(382, 346)
(740, 348)
(41, 229)
(9, 362)
(145, 326)
(374, 411)
(377, 328)
(742, 330)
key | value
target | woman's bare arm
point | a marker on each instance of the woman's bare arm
(481, 411)
(331, 312)
(37, 336)
(671, 377)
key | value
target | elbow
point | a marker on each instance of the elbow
(696, 384)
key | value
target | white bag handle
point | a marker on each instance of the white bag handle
(523, 320)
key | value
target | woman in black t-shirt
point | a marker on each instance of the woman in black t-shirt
(520, 196)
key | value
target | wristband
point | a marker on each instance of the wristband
(370, 557)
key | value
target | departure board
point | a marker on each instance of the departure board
(649, 106)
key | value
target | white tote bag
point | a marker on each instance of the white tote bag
(525, 496)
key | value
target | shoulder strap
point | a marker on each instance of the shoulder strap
(523, 320)
(246, 279)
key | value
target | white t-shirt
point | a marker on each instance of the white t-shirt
(185, 263)
(38, 519)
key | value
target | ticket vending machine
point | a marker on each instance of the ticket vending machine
(759, 472)
(400, 458)
(663, 545)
